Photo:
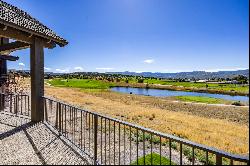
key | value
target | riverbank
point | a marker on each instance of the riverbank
(228, 89)
(208, 100)
(222, 127)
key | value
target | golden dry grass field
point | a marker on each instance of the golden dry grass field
(222, 127)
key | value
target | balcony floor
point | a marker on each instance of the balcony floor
(23, 142)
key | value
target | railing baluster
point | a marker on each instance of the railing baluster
(81, 129)
(105, 141)
(218, 159)
(160, 150)
(15, 104)
(57, 112)
(119, 143)
(25, 105)
(77, 129)
(109, 143)
(114, 142)
(65, 123)
(95, 138)
(144, 153)
(180, 153)
(130, 145)
(29, 106)
(21, 105)
(151, 145)
(45, 110)
(170, 151)
(85, 128)
(124, 139)
(137, 144)
(89, 132)
(92, 118)
(60, 118)
(193, 156)
(231, 162)
(206, 157)
(101, 139)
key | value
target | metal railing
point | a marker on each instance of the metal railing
(110, 141)
(15, 103)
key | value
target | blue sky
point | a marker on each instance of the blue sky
(142, 35)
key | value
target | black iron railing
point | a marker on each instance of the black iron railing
(15, 103)
(111, 141)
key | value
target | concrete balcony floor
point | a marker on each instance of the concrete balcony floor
(24, 143)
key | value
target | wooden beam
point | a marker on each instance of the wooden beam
(23, 36)
(9, 57)
(14, 46)
(37, 80)
(14, 34)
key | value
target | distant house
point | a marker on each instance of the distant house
(202, 81)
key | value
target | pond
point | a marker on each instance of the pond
(168, 93)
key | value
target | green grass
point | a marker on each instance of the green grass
(155, 160)
(211, 86)
(98, 84)
(202, 99)
(80, 83)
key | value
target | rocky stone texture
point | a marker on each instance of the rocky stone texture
(22, 142)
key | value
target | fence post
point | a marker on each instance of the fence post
(218, 159)
(95, 138)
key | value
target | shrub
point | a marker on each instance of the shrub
(237, 103)
(140, 80)
(153, 158)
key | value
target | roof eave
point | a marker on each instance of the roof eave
(61, 43)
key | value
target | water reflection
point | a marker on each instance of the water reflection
(167, 93)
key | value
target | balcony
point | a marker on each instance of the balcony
(70, 135)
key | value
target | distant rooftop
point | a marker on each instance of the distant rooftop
(21, 20)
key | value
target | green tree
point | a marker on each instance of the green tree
(241, 78)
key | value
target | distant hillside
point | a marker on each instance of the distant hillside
(189, 75)
(181, 75)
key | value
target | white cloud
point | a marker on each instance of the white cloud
(47, 68)
(62, 70)
(21, 64)
(78, 68)
(104, 68)
(140, 71)
(149, 61)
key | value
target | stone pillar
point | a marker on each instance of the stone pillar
(37, 79)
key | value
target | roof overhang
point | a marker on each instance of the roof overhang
(19, 25)
(27, 34)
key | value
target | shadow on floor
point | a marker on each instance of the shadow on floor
(24, 142)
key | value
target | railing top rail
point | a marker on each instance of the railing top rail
(163, 135)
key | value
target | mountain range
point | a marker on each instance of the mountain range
(188, 75)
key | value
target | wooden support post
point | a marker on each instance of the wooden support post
(3, 66)
(37, 79)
